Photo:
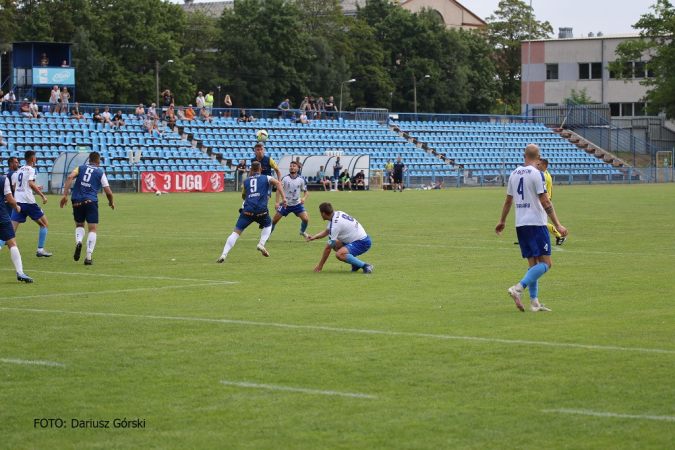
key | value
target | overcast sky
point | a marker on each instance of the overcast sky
(584, 16)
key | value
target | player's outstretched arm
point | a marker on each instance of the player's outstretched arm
(109, 194)
(12, 202)
(505, 212)
(66, 188)
(324, 257)
(321, 235)
(548, 207)
(280, 191)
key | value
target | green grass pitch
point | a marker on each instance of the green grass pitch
(428, 352)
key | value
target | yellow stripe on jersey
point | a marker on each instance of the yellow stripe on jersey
(549, 184)
(77, 170)
(273, 165)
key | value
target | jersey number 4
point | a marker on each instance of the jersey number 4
(520, 189)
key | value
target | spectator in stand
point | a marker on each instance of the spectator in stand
(170, 117)
(323, 179)
(208, 103)
(283, 107)
(140, 111)
(64, 63)
(345, 178)
(228, 105)
(241, 172)
(331, 109)
(204, 115)
(200, 102)
(55, 99)
(168, 99)
(65, 99)
(149, 122)
(44, 61)
(312, 107)
(190, 113)
(360, 180)
(387, 171)
(151, 110)
(181, 113)
(303, 118)
(304, 106)
(320, 106)
(24, 109)
(8, 101)
(243, 117)
(97, 118)
(35, 110)
(337, 167)
(2, 142)
(294, 118)
(107, 117)
(118, 120)
(75, 112)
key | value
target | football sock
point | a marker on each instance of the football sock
(273, 226)
(553, 230)
(42, 238)
(534, 274)
(265, 235)
(303, 227)
(534, 289)
(352, 260)
(2, 243)
(91, 243)
(230, 243)
(16, 259)
(79, 234)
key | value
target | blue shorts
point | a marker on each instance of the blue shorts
(247, 218)
(297, 209)
(27, 210)
(357, 248)
(85, 212)
(534, 240)
(6, 231)
(9, 209)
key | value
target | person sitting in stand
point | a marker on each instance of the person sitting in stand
(35, 110)
(64, 63)
(107, 117)
(75, 112)
(190, 113)
(346, 179)
(181, 113)
(151, 110)
(243, 117)
(24, 109)
(149, 123)
(97, 118)
(360, 180)
(294, 118)
(303, 118)
(140, 111)
(204, 115)
(170, 117)
(44, 61)
(118, 120)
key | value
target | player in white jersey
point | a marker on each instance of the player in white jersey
(527, 188)
(294, 186)
(346, 236)
(24, 186)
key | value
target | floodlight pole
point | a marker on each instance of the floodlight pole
(341, 86)
(157, 69)
(415, 90)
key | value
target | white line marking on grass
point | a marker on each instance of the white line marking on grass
(292, 389)
(352, 330)
(126, 276)
(119, 291)
(33, 363)
(611, 415)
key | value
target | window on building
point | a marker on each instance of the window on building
(639, 109)
(584, 71)
(615, 109)
(590, 71)
(551, 71)
(639, 71)
(638, 68)
(626, 109)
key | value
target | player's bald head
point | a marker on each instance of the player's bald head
(255, 167)
(531, 152)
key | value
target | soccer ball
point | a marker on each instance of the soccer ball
(158, 193)
(261, 135)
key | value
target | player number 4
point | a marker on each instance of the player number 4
(520, 189)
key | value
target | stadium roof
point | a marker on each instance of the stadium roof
(584, 38)
(43, 42)
(214, 9)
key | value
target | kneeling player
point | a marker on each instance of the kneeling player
(346, 236)
(255, 210)
(7, 230)
(88, 179)
(293, 185)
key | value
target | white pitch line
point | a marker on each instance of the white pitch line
(33, 363)
(126, 276)
(352, 330)
(611, 415)
(119, 291)
(292, 389)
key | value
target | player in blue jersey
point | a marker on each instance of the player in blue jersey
(266, 164)
(527, 186)
(7, 230)
(24, 187)
(13, 166)
(255, 209)
(294, 185)
(346, 236)
(89, 178)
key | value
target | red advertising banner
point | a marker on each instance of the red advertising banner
(182, 182)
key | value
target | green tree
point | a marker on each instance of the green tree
(581, 97)
(8, 25)
(507, 28)
(655, 50)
